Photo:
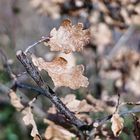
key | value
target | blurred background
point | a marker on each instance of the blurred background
(111, 59)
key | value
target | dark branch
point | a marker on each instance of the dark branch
(48, 92)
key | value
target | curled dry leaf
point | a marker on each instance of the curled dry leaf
(61, 73)
(117, 124)
(75, 105)
(29, 120)
(56, 132)
(26, 111)
(68, 38)
(15, 101)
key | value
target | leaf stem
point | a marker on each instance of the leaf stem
(46, 39)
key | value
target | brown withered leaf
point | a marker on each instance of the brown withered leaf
(15, 100)
(61, 73)
(117, 124)
(26, 111)
(68, 38)
(29, 120)
(80, 108)
(47, 7)
(75, 105)
(56, 132)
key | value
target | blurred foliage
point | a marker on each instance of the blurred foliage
(23, 22)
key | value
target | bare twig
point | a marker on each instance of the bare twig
(130, 103)
(48, 92)
(118, 103)
(43, 39)
(29, 87)
(105, 119)
(6, 64)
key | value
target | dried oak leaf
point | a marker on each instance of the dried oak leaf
(56, 132)
(15, 101)
(61, 73)
(117, 124)
(26, 111)
(75, 105)
(29, 120)
(68, 38)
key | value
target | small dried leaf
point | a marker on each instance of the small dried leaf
(75, 105)
(15, 100)
(56, 132)
(26, 111)
(117, 124)
(62, 73)
(29, 120)
(68, 38)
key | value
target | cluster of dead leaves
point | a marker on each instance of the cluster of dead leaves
(116, 13)
(113, 13)
(79, 108)
(26, 112)
(111, 17)
(57, 8)
(68, 38)
(48, 7)
(124, 70)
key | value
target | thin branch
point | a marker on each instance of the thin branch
(118, 103)
(29, 87)
(130, 103)
(105, 119)
(43, 39)
(6, 64)
(48, 92)
(97, 122)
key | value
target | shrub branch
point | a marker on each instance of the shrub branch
(48, 92)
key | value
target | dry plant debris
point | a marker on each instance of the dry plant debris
(117, 124)
(61, 73)
(78, 107)
(26, 112)
(68, 38)
(56, 132)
